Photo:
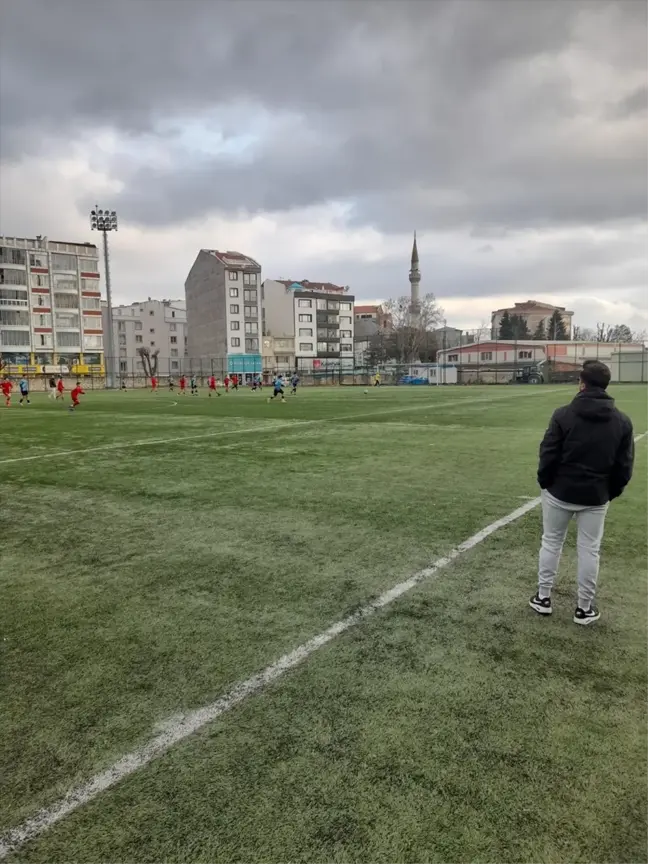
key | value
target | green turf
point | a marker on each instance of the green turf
(140, 582)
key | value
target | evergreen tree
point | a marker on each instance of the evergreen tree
(505, 328)
(540, 332)
(519, 327)
(556, 328)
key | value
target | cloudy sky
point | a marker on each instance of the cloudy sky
(316, 136)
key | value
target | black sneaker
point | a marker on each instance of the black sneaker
(541, 605)
(586, 616)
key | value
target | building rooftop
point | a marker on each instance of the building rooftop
(233, 259)
(307, 285)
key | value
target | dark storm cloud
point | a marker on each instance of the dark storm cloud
(429, 113)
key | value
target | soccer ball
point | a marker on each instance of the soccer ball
(366, 391)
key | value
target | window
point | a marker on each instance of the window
(322, 346)
(174, 340)
(233, 275)
(305, 304)
(305, 331)
(152, 330)
(305, 346)
(322, 334)
(233, 292)
(250, 295)
(14, 317)
(174, 352)
(122, 338)
(305, 319)
(453, 358)
(14, 256)
(334, 305)
(235, 325)
(91, 302)
(174, 365)
(321, 304)
(38, 259)
(42, 339)
(123, 365)
(525, 355)
(44, 320)
(333, 319)
(41, 300)
(14, 297)
(249, 278)
(89, 265)
(14, 337)
(138, 339)
(67, 319)
(121, 325)
(251, 344)
(345, 334)
(236, 342)
(64, 262)
(251, 327)
(345, 307)
(66, 301)
(234, 308)
(151, 312)
(251, 312)
(344, 319)
(486, 355)
(89, 285)
(95, 342)
(173, 314)
(138, 325)
(347, 348)
(122, 350)
(68, 340)
(172, 328)
(13, 277)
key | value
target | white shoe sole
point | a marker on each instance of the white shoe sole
(585, 621)
(541, 610)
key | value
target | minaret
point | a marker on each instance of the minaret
(415, 279)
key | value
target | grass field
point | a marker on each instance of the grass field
(183, 544)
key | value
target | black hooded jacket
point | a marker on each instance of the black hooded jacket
(587, 453)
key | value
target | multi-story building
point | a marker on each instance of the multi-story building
(159, 325)
(223, 294)
(534, 312)
(375, 312)
(318, 316)
(50, 304)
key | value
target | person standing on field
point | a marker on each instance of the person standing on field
(586, 461)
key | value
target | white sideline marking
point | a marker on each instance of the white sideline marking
(119, 445)
(176, 728)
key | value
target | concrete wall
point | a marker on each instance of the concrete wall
(278, 314)
(206, 296)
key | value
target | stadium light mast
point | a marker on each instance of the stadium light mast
(105, 221)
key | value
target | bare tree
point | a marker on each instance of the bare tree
(583, 334)
(410, 335)
(149, 361)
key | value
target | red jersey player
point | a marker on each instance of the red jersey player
(183, 384)
(60, 387)
(6, 391)
(226, 382)
(154, 383)
(212, 386)
(76, 392)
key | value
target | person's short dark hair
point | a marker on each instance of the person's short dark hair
(595, 374)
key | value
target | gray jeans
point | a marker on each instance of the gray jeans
(556, 516)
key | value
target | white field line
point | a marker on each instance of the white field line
(265, 427)
(176, 728)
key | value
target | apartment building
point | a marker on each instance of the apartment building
(50, 304)
(317, 316)
(375, 312)
(534, 313)
(159, 325)
(223, 301)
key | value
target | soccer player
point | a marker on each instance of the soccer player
(6, 391)
(60, 387)
(24, 391)
(183, 385)
(154, 383)
(76, 392)
(226, 382)
(52, 388)
(278, 389)
(212, 386)
(194, 386)
(171, 384)
(377, 379)
(294, 381)
(235, 382)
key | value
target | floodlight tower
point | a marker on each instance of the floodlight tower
(105, 221)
